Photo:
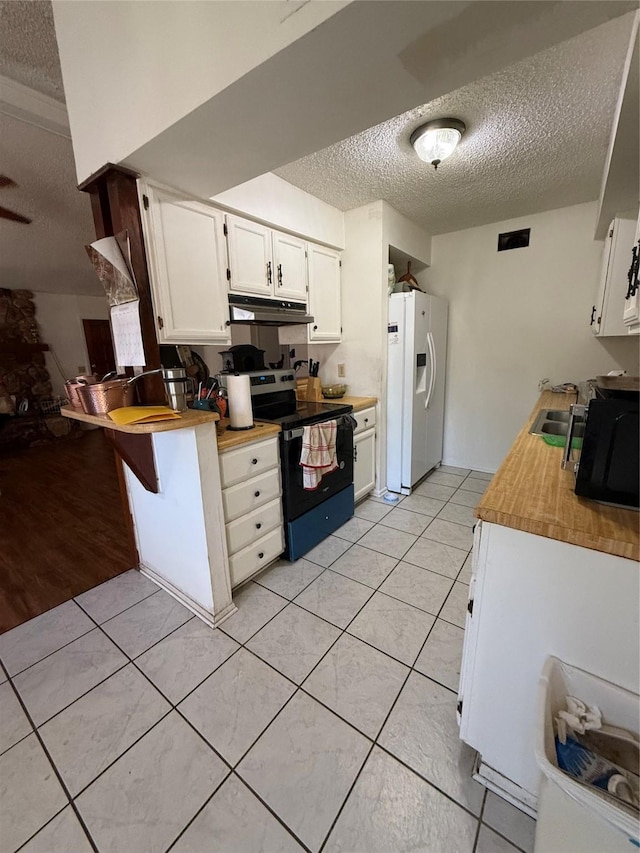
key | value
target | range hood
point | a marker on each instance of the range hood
(254, 311)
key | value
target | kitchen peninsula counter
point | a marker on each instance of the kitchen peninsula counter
(174, 495)
(531, 492)
(190, 418)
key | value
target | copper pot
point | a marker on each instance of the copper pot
(71, 388)
(103, 397)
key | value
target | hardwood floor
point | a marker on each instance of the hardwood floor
(62, 528)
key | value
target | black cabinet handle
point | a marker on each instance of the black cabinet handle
(261, 555)
(258, 526)
(593, 315)
(254, 461)
(256, 494)
(366, 420)
(269, 271)
(279, 275)
(315, 328)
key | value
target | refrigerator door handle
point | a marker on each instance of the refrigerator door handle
(432, 379)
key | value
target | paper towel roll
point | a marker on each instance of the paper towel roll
(239, 394)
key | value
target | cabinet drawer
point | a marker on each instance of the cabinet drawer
(245, 530)
(245, 497)
(243, 462)
(251, 559)
(365, 419)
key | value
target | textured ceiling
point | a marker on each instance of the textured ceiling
(48, 254)
(537, 136)
(28, 47)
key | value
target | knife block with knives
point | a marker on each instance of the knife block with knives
(314, 390)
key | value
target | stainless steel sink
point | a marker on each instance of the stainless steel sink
(555, 415)
(554, 422)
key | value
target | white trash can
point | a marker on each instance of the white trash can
(575, 818)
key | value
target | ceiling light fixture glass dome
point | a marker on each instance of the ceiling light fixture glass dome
(436, 140)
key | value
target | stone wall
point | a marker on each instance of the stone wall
(24, 378)
(23, 373)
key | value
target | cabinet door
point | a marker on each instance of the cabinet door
(249, 257)
(290, 267)
(607, 313)
(186, 252)
(631, 316)
(364, 463)
(324, 294)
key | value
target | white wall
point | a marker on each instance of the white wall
(516, 317)
(206, 95)
(369, 232)
(59, 317)
(131, 70)
(277, 202)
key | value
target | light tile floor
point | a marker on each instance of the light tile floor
(321, 716)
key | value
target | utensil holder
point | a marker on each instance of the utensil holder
(314, 389)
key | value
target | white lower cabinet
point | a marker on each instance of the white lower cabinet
(531, 597)
(364, 453)
(252, 507)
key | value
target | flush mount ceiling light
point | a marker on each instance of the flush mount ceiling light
(436, 140)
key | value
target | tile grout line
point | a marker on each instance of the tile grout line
(298, 688)
(375, 743)
(61, 781)
(84, 634)
(332, 711)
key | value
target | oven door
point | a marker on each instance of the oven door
(296, 499)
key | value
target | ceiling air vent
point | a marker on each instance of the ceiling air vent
(514, 239)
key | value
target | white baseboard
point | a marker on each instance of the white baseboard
(505, 788)
(212, 619)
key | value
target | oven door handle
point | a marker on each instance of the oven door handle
(291, 434)
(343, 420)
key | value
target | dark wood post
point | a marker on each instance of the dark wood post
(114, 202)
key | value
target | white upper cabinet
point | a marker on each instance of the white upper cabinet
(290, 267)
(607, 314)
(264, 262)
(187, 265)
(250, 262)
(324, 295)
(631, 316)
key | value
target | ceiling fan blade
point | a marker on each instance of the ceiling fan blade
(7, 182)
(5, 213)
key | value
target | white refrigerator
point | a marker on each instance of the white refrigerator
(417, 348)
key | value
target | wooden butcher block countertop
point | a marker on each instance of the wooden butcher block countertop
(190, 418)
(358, 403)
(531, 492)
(229, 438)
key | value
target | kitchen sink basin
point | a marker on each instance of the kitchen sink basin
(554, 422)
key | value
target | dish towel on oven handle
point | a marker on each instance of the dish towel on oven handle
(318, 455)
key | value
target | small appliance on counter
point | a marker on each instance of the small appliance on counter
(242, 358)
(606, 463)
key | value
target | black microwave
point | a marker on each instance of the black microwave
(605, 459)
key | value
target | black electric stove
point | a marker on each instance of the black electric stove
(273, 399)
